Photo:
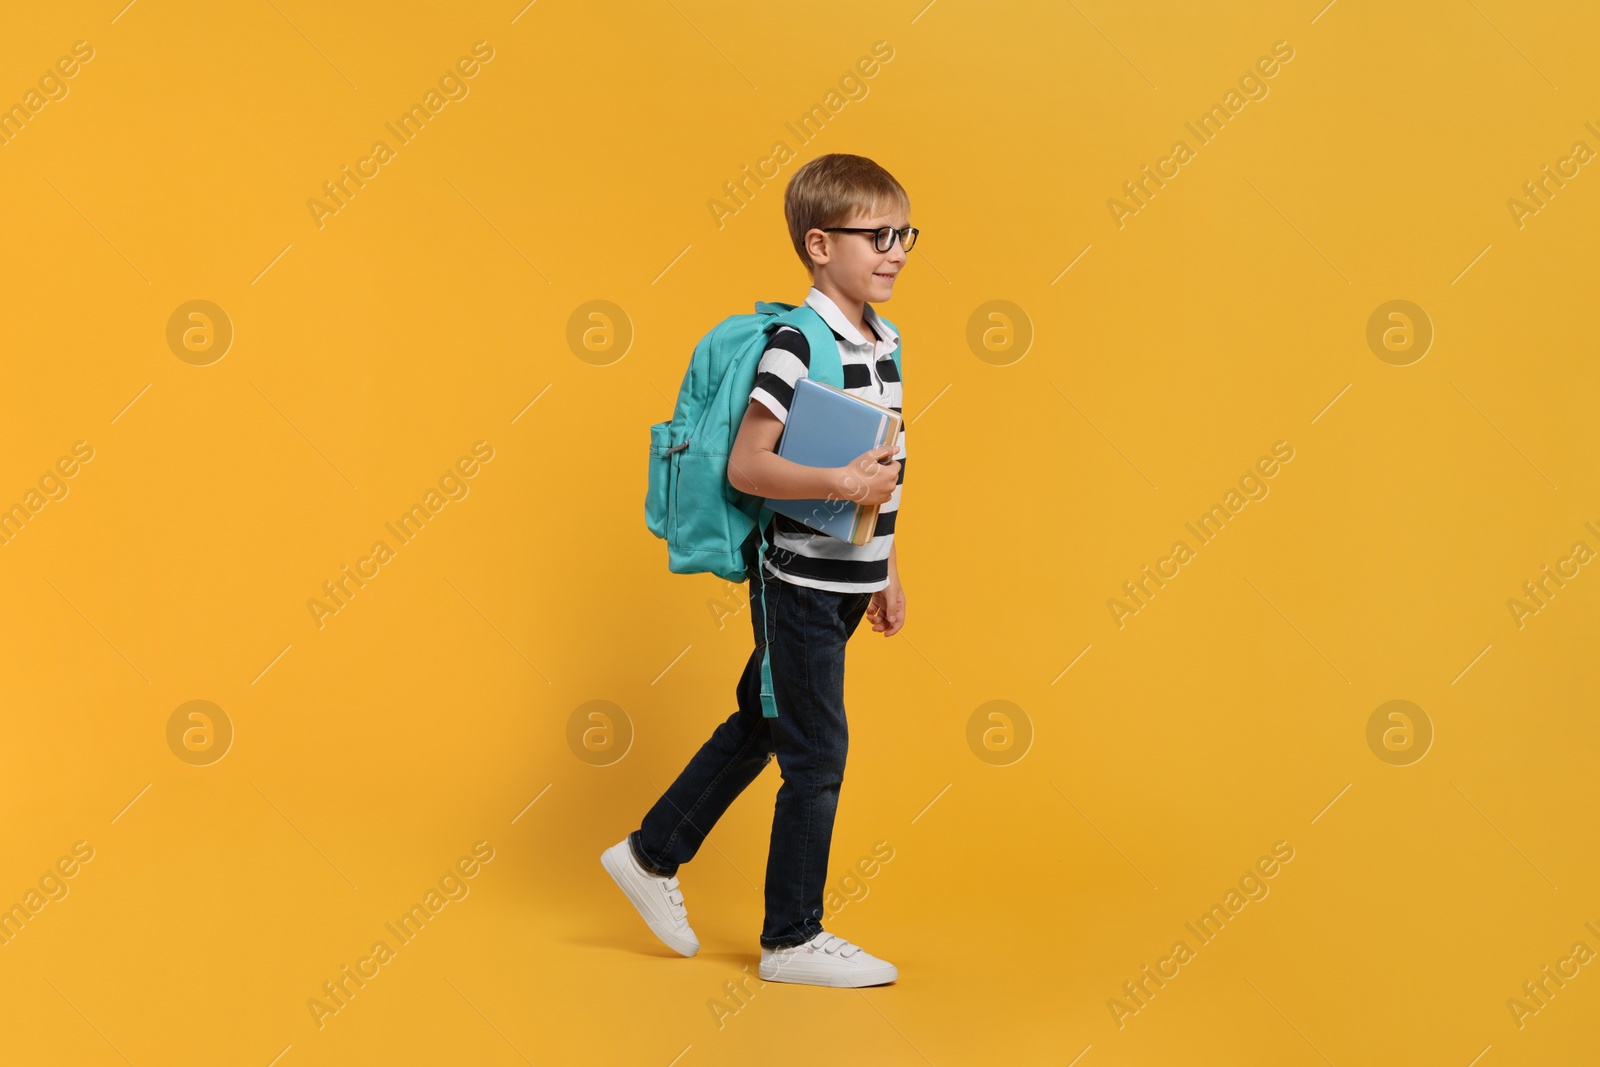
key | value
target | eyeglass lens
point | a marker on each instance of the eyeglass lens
(883, 240)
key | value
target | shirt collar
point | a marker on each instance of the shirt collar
(824, 306)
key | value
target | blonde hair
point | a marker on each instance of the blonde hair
(834, 190)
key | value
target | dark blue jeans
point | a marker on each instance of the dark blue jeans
(809, 629)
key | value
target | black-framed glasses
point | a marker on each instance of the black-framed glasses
(883, 237)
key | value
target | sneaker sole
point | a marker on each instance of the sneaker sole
(830, 977)
(618, 866)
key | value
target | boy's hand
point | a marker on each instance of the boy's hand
(888, 608)
(871, 477)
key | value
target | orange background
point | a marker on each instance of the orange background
(1061, 794)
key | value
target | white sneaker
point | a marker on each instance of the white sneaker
(826, 959)
(658, 899)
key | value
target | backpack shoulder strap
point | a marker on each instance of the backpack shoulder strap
(769, 699)
(825, 365)
(819, 337)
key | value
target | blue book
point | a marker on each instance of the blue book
(829, 427)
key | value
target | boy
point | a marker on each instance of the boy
(818, 587)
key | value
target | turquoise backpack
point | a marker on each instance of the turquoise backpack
(688, 499)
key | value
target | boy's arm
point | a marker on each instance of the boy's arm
(754, 468)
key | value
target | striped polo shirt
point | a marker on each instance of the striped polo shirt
(797, 553)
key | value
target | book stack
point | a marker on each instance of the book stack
(829, 427)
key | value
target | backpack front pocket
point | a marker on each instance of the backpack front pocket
(658, 484)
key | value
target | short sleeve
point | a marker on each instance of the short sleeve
(786, 360)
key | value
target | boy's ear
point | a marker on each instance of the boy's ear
(816, 245)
